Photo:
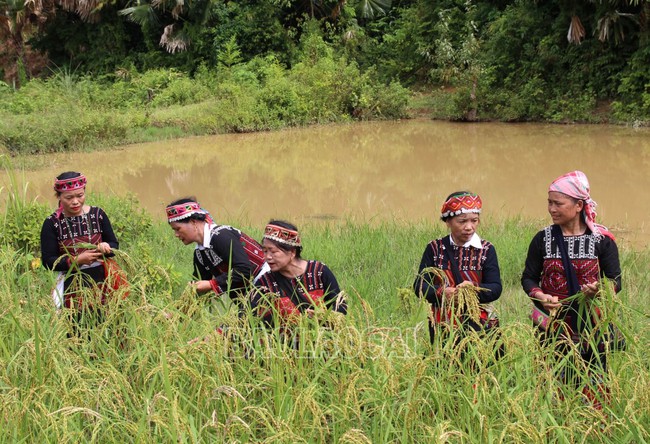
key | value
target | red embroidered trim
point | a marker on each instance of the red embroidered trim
(71, 184)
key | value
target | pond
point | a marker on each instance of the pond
(399, 170)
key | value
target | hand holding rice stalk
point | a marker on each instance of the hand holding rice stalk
(464, 302)
(598, 315)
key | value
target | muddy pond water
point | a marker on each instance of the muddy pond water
(398, 170)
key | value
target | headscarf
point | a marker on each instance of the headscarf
(71, 184)
(283, 235)
(462, 203)
(575, 184)
(185, 210)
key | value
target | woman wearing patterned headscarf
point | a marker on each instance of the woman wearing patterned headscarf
(296, 285)
(73, 224)
(465, 259)
(572, 255)
(226, 260)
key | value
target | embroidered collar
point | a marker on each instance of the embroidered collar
(475, 241)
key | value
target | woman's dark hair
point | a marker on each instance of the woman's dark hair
(66, 175)
(454, 194)
(195, 216)
(280, 245)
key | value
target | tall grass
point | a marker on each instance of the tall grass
(373, 378)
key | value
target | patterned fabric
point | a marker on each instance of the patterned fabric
(477, 265)
(71, 184)
(316, 286)
(575, 184)
(185, 210)
(583, 253)
(85, 228)
(282, 235)
(60, 239)
(460, 204)
(229, 261)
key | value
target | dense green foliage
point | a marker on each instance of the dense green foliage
(69, 111)
(512, 60)
(375, 379)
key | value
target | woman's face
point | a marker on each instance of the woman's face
(73, 201)
(277, 258)
(187, 232)
(562, 208)
(463, 227)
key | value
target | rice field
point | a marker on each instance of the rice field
(155, 370)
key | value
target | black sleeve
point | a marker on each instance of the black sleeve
(532, 274)
(332, 291)
(228, 246)
(50, 252)
(200, 273)
(258, 294)
(610, 266)
(108, 235)
(491, 278)
(425, 284)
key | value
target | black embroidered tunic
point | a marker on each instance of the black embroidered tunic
(592, 257)
(228, 251)
(315, 286)
(60, 234)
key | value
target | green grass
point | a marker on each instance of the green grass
(135, 378)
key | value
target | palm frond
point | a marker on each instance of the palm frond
(369, 9)
(173, 40)
(141, 14)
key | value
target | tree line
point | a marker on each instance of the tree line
(512, 60)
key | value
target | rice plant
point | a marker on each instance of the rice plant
(132, 371)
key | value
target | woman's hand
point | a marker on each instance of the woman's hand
(201, 286)
(104, 248)
(549, 302)
(87, 257)
(590, 290)
(466, 284)
(450, 293)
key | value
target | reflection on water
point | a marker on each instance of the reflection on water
(388, 169)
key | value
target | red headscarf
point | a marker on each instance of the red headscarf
(185, 210)
(461, 204)
(575, 184)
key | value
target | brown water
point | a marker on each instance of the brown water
(400, 170)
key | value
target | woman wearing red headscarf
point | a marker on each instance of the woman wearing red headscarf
(572, 255)
(226, 260)
(465, 259)
(75, 223)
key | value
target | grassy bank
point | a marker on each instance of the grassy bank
(68, 112)
(136, 379)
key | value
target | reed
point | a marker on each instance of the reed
(371, 377)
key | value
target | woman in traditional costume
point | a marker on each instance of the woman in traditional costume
(226, 260)
(75, 239)
(458, 260)
(293, 285)
(573, 255)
